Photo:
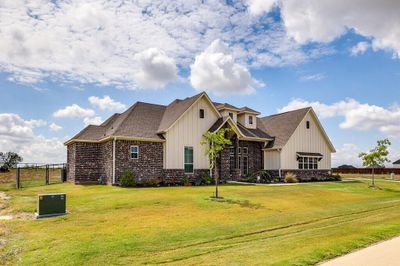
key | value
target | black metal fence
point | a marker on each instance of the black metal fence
(31, 175)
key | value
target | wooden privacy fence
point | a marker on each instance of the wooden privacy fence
(39, 174)
(366, 171)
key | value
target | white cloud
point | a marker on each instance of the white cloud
(74, 111)
(313, 77)
(106, 103)
(347, 154)
(101, 41)
(97, 120)
(55, 127)
(156, 68)
(356, 115)
(16, 134)
(257, 7)
(216, 71)
(323, 21)
(359, 48)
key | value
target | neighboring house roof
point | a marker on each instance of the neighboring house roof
(397, 162)
(346, 166)
(281, 126)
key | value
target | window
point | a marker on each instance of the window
(231, 114)
(245, 165)
(134, 152)
(308, 124)
(250, 120)
(201, 113)
(188, 160)
(308, 163)
(245, 150)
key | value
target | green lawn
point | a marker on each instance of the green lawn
(255, 225)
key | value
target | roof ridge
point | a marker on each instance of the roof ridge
(295, 110)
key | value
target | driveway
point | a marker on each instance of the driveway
(385, 253)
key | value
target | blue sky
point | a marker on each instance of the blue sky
(256, 53)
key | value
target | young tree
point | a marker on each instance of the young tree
(376, 156)
(9, 160)
(216, 142)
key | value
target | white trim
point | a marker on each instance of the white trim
(71, 141)
(113, 162)
(203, 94)
(184, 171)
(130, 152)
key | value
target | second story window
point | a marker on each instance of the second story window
(231, 114)
(308, 124)
(201, 113)
(250, 120)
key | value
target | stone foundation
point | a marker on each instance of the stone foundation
(176, 175)
(303, 175)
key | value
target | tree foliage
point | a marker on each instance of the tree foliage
(9, 160)
(216, 142)
(376, 156)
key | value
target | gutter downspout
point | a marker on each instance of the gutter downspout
(280, 163)
(113, 161)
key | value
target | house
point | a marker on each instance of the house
(396, 163)
(346, 166)
(158, 141)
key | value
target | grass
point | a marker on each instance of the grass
(257, 225)
(369, 177)
(30, 177)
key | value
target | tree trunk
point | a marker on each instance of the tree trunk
(216, 178)
(373, 176)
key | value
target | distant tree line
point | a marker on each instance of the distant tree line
(9, 160)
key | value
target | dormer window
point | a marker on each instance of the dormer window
(308, 124)
(250, 120)
(231, 114)
(201, 113)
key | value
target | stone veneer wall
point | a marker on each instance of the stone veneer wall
(106, 153)
(303, 175)
(148, 165)
(71, 162)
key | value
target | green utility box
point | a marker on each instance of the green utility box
(51, 205)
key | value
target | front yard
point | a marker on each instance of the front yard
(264, 225)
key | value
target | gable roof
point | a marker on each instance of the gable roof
(222, 106)
(246, 109)
(281, 126)
(243, 132)
(397, 162)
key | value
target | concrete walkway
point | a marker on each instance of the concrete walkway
(386, 253)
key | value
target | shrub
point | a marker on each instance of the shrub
(266, 177)
(291, 178)
(206, 180)
(185, 180)
(127, 179)
(250, 178)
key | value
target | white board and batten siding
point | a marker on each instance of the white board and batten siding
(306, 140)
(244, 120)
(271, 160)
(188, 131)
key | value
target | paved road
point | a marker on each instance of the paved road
(385, 253)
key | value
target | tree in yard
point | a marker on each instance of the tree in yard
(376, 156)
(216, 142)
(9, 160)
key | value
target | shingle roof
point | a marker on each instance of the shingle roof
(250, 133)
(141, 120)
(247, 109)
(397, 162)
(281, 126)
(175, 110)
(225, 105)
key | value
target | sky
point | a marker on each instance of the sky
(67, 64)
